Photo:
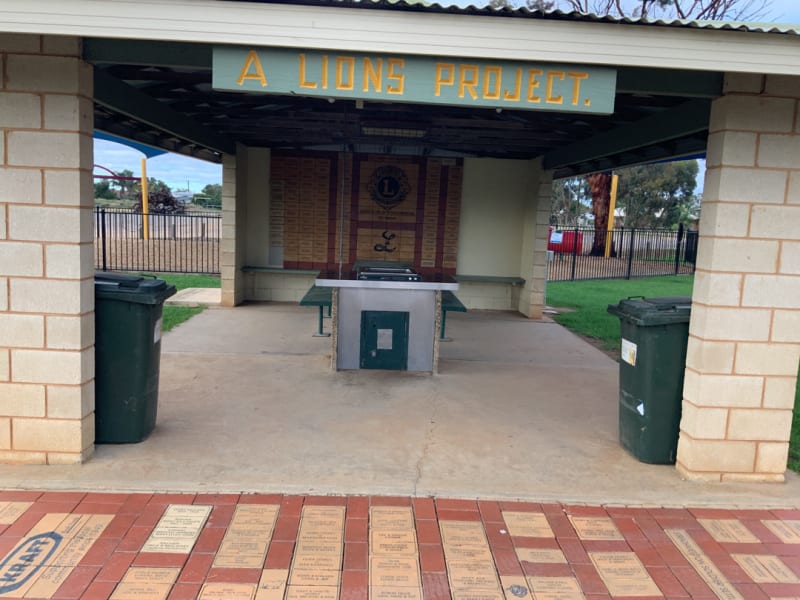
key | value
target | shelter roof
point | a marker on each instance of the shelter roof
(556, 15)
(160, 93)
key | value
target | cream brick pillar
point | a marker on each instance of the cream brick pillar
(744, 335)
(46, 251)
(533, 262)
(234, 242)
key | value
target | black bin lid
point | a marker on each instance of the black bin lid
(653, 311)
(131, 288)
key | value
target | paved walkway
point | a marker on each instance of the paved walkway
(270, 547)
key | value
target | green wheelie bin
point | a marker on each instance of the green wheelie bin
(128, 312)
(655, 333)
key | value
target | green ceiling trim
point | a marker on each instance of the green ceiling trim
(685, 119)
(125, 99)
(100, 51)
(666, 82)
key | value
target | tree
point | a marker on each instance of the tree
(125, 186)
(659, 195)
(214, 191)
(600, 186)
(710, 10)
(156, 185)
(102, 189)
(571, 200)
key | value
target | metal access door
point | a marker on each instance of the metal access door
(384, 340)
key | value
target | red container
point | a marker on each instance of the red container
(567, 242)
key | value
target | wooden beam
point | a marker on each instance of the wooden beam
(685, 119)
(124, 99)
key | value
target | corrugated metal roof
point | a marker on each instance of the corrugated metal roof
(558, 15)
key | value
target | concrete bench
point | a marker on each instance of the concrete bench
(490, 279)
(320, 297)
(449, 302)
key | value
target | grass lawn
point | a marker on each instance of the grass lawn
(175, 315)
(590, 299)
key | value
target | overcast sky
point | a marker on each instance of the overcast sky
(179, 172)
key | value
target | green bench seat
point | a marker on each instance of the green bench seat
(321, 297)
(449, 302)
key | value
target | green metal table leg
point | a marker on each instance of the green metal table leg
(320, 332)
(442, 337)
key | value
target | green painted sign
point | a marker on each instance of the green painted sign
(418, 79)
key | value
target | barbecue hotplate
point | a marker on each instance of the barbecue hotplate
(388, 274)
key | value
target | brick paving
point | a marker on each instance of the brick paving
(98, 546)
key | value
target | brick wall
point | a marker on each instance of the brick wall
(310, 199)
(46, 259)
(744, 342)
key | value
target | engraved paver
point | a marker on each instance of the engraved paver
(728, 530)
(787, 531)
(395, 593)
(703, 565)
(393, 542)
(624, 574)
(555, 588)
(764, 568)
(312, 592)
(473, 552)
(527, 524)
(472, 575)
(246, 541)
(394, 571)
(391, 518)
(11, 511)
(228, 591)
(515, 587)
(272, 584)
(541, 555)
(595, 528)
(318, 554)
(462, 532)
(313, 577)
(178, 529)
(145, 583)
(478, 595)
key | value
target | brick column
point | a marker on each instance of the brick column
(744, 335)
(234, 189)
(533, 262)
(46, 251)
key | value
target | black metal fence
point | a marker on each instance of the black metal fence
(582, 253)
(176, 243)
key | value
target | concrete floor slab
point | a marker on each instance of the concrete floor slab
(521, 410)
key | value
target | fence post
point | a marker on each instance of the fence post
(574, 254)
(103, 237)
(678, 243)
(630, 252)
